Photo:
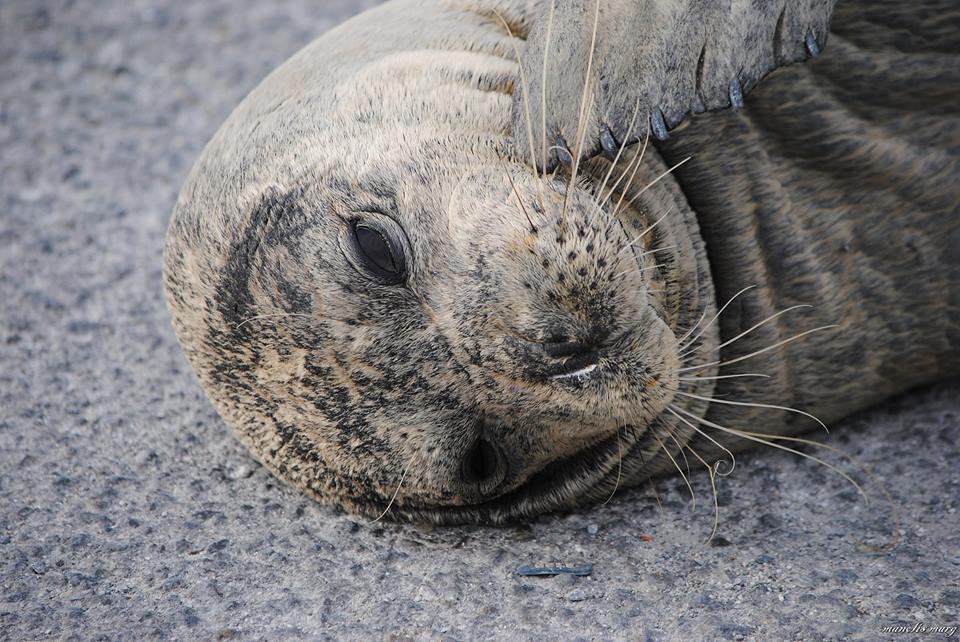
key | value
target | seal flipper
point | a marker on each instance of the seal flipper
(653, 62)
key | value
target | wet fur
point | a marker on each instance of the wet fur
(345, 389)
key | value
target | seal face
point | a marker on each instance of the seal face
(391, 309)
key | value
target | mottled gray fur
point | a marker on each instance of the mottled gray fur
(835, 186)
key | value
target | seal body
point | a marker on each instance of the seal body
(836, 186)
(395, 308)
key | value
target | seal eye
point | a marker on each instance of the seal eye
(375, 249)
(379, 253)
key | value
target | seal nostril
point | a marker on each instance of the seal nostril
(562, 349)
(572, 357)
(559, 346)
(482, 462)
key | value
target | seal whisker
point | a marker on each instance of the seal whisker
(616, 159)
(641, 271)
(652, 267)
(712, 470)
(543, 90)
(641, 235)
(395, 493)
(657, 249)
(810, 442)
(636, 167)
(533, 228)
(656, 495)
(585, 110)
(620, 151)
(703, 315)
(686, 463)
(666, 451)
(757, 352)
(733, 460)
(525, 91)
(572, 183)
(616, 485)
(653, 486)
(766, 441)
(267, 316)
(655, 181)
(730, 376)
(757, 325)
(754, 405)
(853, 460)
(683, 346)
(754, 327)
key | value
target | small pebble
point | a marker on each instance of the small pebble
(578, 595)
(593, 529)
(240, 471)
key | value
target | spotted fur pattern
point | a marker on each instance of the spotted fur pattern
(369, 396)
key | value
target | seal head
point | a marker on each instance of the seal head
(393, 311)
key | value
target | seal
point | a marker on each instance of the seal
(397, 309)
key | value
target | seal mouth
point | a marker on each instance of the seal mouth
(576, 366)
(582, 373)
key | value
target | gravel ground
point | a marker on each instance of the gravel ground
(129, 511)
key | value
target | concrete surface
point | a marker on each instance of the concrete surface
(129, 512)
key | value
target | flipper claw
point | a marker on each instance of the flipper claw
(608, 143)
(658, 125)
(813, 47)
(563, 153)
(736, 94)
